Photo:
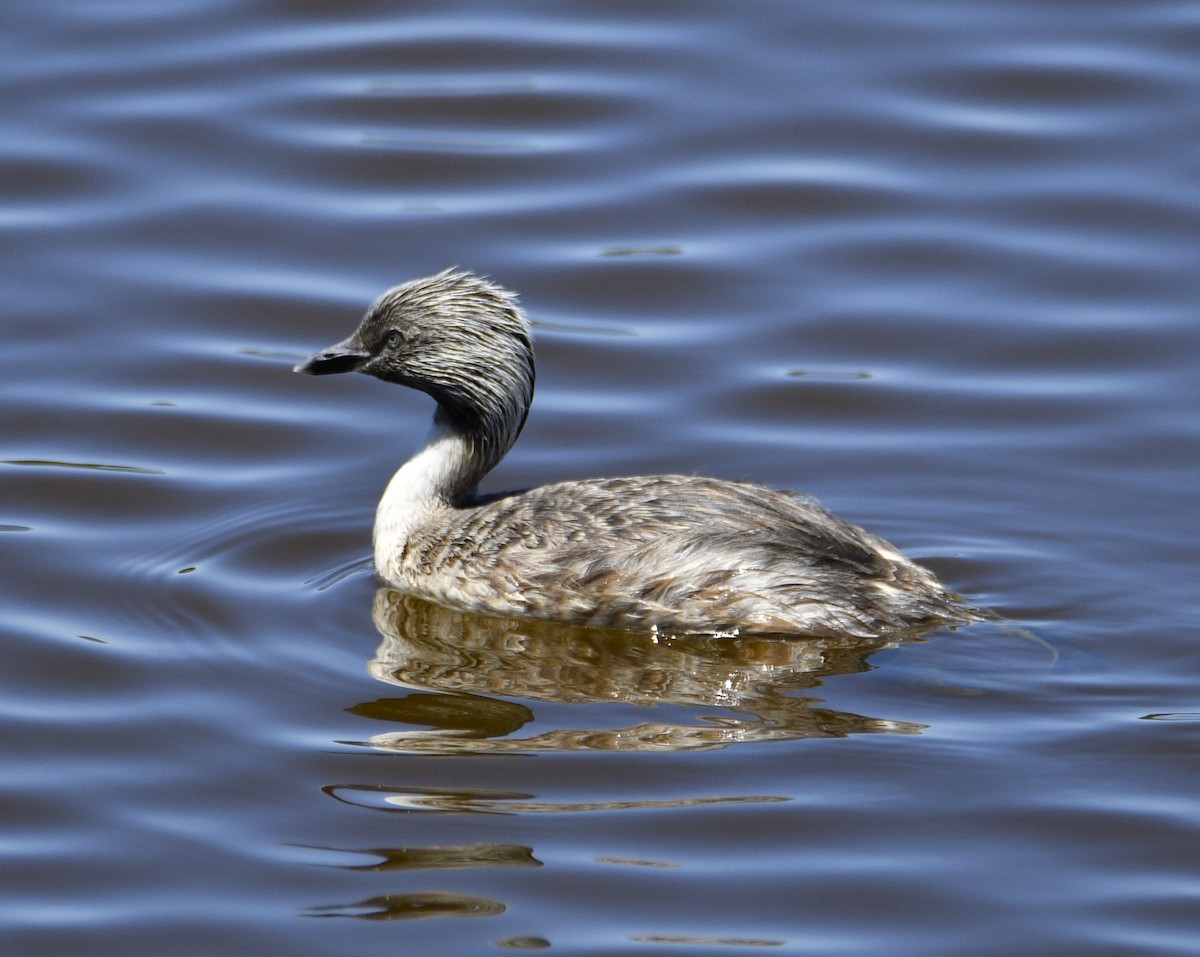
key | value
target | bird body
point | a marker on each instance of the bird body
(672, 553)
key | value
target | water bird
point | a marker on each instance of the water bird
(666, 553)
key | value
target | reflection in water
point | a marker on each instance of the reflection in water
(719, 941)
(412, 906)
(484, 801)
(523, 943)
(93, 466)
(465, 670)
(635, 862)
(462, 660)
(429, 903)
(469, 714)
(446, 857)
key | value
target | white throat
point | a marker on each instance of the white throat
(420, 487)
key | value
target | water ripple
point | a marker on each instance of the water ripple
(933, 263)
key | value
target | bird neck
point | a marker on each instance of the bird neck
(478, 419)
(445, 470)
(444, 473)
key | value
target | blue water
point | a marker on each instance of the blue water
(934, 263)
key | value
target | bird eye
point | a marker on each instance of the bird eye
(394, 339)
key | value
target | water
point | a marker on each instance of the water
(933, 263)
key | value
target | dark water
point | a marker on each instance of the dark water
(935, 263)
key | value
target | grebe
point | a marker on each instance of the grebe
(668, 553)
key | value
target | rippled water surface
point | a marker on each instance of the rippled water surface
(935, 263)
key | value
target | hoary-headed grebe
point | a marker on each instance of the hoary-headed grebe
(671, 553)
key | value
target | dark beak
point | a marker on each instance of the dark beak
(339, 358)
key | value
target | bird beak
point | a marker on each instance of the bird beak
(340, 358)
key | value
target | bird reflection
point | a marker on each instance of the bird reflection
(412, 907)
(462, 667)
